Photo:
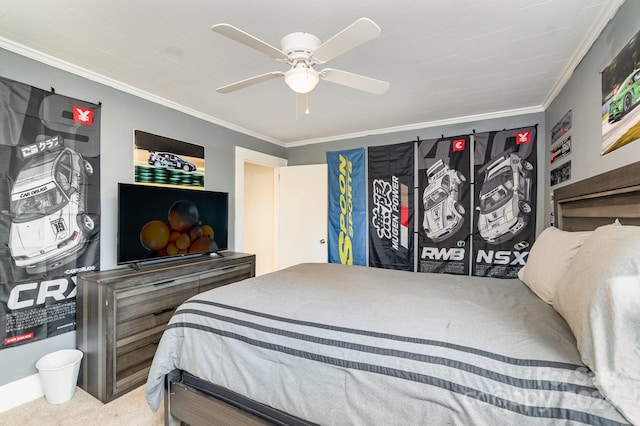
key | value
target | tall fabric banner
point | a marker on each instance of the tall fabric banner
(391, 192)
(444, 178)
(347, 207)
(505, 197)
(50, 200)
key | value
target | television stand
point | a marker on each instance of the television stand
(122, 313)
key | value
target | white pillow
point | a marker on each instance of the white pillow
(599, 297)
(549, 257)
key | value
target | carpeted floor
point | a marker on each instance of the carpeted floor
(84, 409)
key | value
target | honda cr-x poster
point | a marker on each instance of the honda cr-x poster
(444, 224)
(50, 205)
(505, 197)
(391, 189)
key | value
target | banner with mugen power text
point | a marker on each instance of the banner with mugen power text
(347, 236)
(50, 200)
(391, 191)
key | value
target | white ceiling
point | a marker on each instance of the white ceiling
(447, 60)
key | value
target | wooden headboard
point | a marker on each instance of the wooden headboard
(599, 200)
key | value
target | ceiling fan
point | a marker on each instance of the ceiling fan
(302, 51)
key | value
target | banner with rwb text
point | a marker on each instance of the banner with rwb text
(347, 236)
(50, 204)
(444, 206)
(391, 189)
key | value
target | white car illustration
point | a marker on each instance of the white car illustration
(504, 198)
(49, 222)
(443, 213)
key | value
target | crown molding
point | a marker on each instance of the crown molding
(423, 125)
(582, 50)
(118, 85)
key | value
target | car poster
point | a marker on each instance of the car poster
(505, 201)
(49, 218)
(560, 174)
(621, 97)
(561, 150)
(444, 205)
(561, 127)
(164, 161)
(391, 192)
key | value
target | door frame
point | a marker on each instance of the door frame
(244, 155)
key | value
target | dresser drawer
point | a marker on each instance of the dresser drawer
(137, 358)
(225, 275)
(134, 356)
(154, 299)
(138, 325)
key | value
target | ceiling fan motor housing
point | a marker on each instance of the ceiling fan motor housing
(299, 46)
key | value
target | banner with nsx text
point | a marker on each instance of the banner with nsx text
(505, 196)
(347, 236)
(50, 203)
(391, 189)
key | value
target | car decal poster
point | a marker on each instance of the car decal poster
(391, 193)
(164, 161)
(347, 238)
(505, 201)
(621, 98)
(50, 205)
(444, 205)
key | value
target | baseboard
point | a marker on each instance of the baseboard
(20, 392)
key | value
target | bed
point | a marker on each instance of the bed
(334, 344)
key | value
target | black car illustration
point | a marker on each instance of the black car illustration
(170, 160)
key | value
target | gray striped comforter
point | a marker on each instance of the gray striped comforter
(349, 345)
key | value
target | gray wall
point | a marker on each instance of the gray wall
(582, 95)
(122, 113)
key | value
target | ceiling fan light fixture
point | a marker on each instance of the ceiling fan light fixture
(302, 79)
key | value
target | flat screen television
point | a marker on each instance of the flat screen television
(161, 223)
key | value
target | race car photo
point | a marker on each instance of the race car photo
(49, 222)
(443, 213)
(626, 97)
(170, 160)
(505, 197)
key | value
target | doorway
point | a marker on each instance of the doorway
(280, 212)
(254, 209)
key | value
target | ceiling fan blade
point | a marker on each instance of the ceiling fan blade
(248, 40)
(249, 82)
(363, 30)
(355, 81)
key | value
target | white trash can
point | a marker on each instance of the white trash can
(58, 373)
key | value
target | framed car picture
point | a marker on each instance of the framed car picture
(163, 161)
(621, 98)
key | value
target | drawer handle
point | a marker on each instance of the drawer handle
(164, 311)
(163, 282)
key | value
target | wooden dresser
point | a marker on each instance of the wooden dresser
(121, 314)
